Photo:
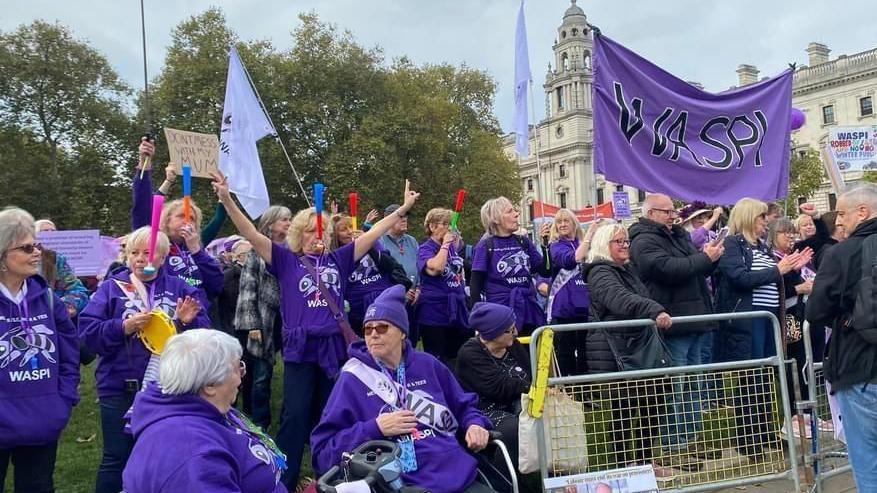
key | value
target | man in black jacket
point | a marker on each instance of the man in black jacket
(851, 356)
(675, 273)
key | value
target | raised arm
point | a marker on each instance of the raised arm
(364, 243)
(261, 243)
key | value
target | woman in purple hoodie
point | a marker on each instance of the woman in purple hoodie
(189, 436)
(389, 391)
(110, 326)
(314, 324)
(39, 359)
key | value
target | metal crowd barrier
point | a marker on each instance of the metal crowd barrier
(827, 456)
(626, 417)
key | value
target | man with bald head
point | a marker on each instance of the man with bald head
(675, 272)
(851, 355)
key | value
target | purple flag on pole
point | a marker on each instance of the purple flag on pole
(659, 133)
(522, 78)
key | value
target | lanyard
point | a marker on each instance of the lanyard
(24, 315)
(141, 291)
(402, 393)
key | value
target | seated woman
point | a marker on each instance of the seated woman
(494, 365)
(389, 391)
(189, 436)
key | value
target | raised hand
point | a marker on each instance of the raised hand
(187, 309)
(371, 216)
(220, 186)
(146, 152)
(409, 197)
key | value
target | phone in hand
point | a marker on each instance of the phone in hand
(720, 237)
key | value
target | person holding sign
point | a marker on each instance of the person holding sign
(111, 326)
(39, 366)
(504, 264)
(186, 259)
(313, 282)
(376, 398)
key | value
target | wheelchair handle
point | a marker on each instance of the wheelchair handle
(323, 482)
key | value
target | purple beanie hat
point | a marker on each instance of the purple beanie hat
(490, 319)
(390, 307)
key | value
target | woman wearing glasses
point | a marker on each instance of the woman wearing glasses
(189, 436)
(39, 359)
(314, 325)
(110, 326)
(750, 278)
(389, 391)
(617, 293)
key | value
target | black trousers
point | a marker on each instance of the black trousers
(569, 347)
(444, 342)
(33, 466)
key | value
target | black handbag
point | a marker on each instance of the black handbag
(641, 352)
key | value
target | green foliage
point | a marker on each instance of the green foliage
(806, 174)
(63, 128)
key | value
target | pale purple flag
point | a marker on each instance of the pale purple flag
(521, 124)
(656, 132)
(244, 122)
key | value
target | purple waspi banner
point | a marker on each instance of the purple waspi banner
(659, 133)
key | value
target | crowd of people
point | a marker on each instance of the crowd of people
(346, 310)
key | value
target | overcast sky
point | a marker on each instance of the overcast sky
(697, 40)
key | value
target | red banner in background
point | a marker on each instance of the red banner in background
(584, 215)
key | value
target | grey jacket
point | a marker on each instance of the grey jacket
(258, 305)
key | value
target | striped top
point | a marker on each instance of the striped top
(766, 295)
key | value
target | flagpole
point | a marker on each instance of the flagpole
(538, 168)
(276, 136)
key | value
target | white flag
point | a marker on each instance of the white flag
(243, 124)
(521, 125)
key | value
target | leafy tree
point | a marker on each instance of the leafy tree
(65, 128)
(806, 174)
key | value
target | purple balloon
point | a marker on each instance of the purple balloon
(797, 119)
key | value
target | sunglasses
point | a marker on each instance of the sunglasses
(27, 248)
(622, 243)
(381, 329)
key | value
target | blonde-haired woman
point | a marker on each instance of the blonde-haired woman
(505, 263)
(186, 258)
(441, 311)
(749, 278)
(110, 326)
(568, 302)
(314, 324)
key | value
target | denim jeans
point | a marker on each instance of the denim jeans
(256, 390)
(682, 422)
(306, 389)
(117, 443)
(858, 406)
(753, 406)
(33, 465)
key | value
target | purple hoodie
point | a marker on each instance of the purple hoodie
(570, 298)
(442, 299)
(508, 278)
(183, 443)
(100, 326)
(366, 282)
(39, 368)
(350, 419)
(199, 269)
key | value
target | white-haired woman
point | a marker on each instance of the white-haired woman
(257, 318)
(189, 437)
(505, 263)
(110, 326)
(568, 246)
(617, 293)
(314, 325)
(39, 359)
(186, 258)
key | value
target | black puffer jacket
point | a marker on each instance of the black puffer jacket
(674, 271)
(616, 293)
(851, 356)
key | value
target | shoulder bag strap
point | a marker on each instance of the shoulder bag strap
(340, 319)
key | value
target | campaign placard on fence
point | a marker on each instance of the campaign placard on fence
(82, 247)
(638, 479)
(854, 148)
(621, 202)
(201, 151)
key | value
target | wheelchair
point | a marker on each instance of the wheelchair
(377, 464)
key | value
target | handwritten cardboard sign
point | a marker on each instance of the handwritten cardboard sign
(201, 151)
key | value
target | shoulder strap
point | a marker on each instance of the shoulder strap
(340, 319)
(50, 294)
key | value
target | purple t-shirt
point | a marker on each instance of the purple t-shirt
(442, 300)
(569, 292)
(365, 283)
(508, 279)
(310, 332)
